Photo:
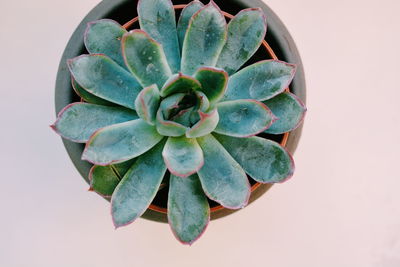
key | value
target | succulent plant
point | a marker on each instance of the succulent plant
(174, 96)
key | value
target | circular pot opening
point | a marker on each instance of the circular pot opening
(280, 45)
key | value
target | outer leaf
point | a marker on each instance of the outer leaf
(245, 34)
(88, 97)
(104, 78)
(120, 142)
(213, 82)
(188, 208)
(138, 187)
(169, 128)
(261, 81)
(183, 156)
(222, 178)
(264, 160)
(145, 58)
(147, 103)
(184, 19)
(157, 18)
(104, 179)
(206, 124)
(179, 83)
(104, 37)
(78, 121)
(243, 118)
(290, 111)
(204, 39)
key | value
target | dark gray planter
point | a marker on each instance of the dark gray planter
(122, 11)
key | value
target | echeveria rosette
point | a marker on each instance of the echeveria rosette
(170, 97)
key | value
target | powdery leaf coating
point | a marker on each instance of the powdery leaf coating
(157, 18)
(184, 19)
(183, 156)
(246, 31)
(104, 37)
(145, 58)
(260, 81)
(168, 128)
(188, 208)
(179, 83)
(147, 102)
(120, 142)
(213, 82)
(78, 121)
(104, 78)
(243, 118)
(222, 178)
(204, 39)
(264, 160)
(290, 111)
(138, 187)
(89, 97)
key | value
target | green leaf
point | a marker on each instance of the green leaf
(104, 179)
(169, 103)
(206, 124)
(184, 19)
(78, 121)
(222, 178)
(243, 118)
(213, 82)
(188, 208)
(167, 127)
(145, 58)
(157, 18)
(89, 97)
(290, 111)
(264, 160)
(120, 142)
(138, 187)
(147, 103)
(183, 156)
(246, 31)
(204, 39)
(104, 78)
(260, 81)
(104, 37)
(179, 83)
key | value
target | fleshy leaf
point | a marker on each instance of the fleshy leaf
(261, 81)
(104, 78)
(89, 97)
(264, 160)
(157, 18)
(147, 103)
(213, 82)
(169, 103)
(168, 128)
(222, 178)
(188, 208)
(183, 156)
(179, 83)
(120, 142)
(138, 187)
(290, 111)
(184, 19)
(243, 118)
(145, 58)
(104, 37)
(206, 124)
(78, 121)
(204, 39)
(245, 34)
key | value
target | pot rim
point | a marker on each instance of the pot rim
(285, 137)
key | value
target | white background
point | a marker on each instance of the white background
(342, 208)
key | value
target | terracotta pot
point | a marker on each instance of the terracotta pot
(278, 45)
